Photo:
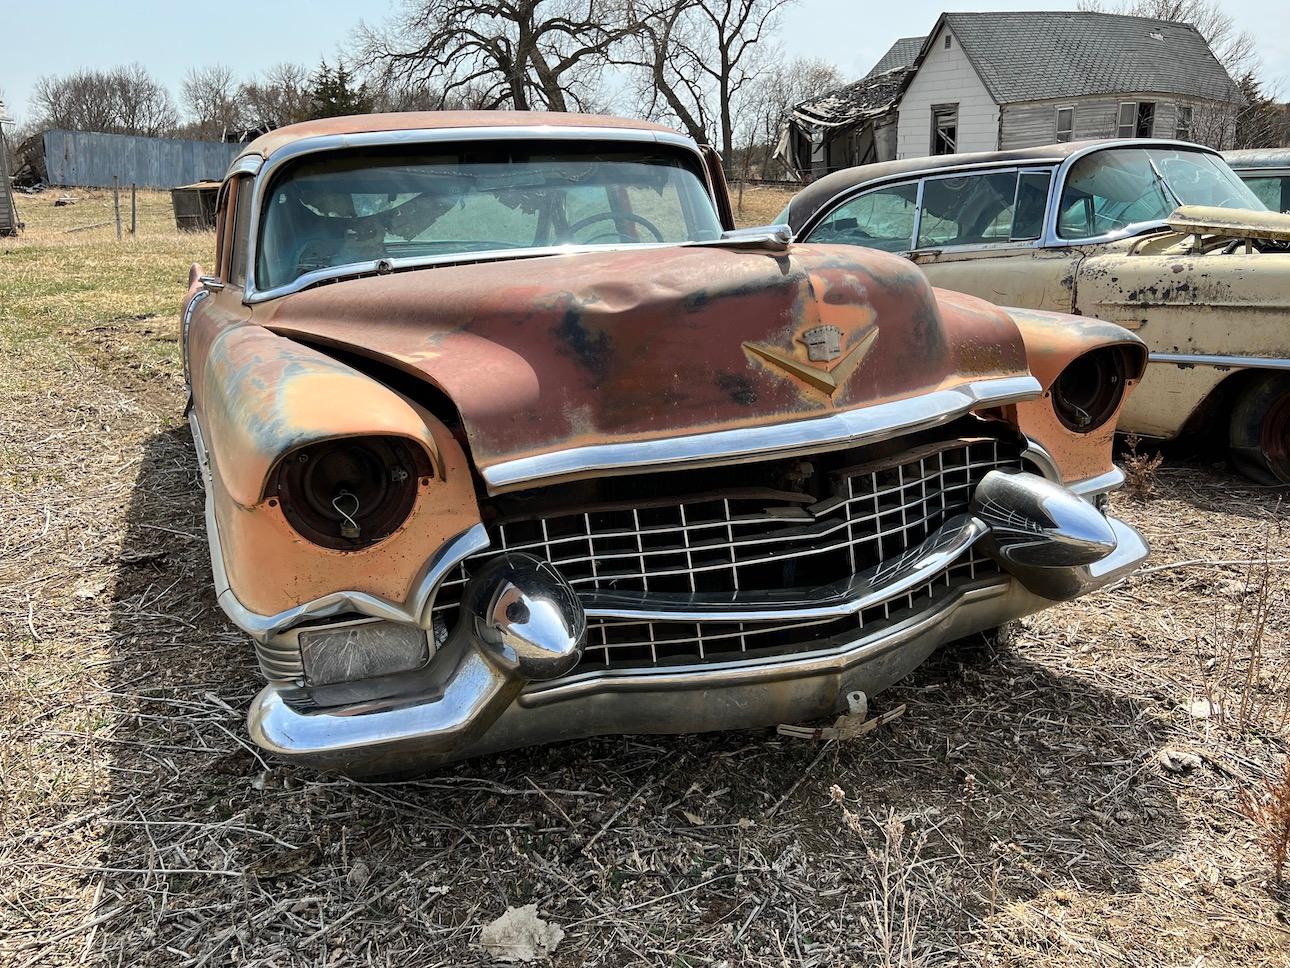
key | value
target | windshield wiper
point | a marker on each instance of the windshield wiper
(1161, 179)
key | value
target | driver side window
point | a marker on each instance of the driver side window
(881, 219)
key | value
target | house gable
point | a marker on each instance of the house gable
(946, 76)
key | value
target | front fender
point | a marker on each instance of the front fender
(1053, 341)
(264, 396)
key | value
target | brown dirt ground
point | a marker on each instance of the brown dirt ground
(1018, 814)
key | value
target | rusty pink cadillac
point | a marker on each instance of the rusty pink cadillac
(509, 437)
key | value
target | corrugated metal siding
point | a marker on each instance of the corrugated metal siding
(89, 159)
(8, 216)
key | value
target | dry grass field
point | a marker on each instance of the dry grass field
(1049, 799)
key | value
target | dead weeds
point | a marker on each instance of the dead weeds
(1037, 825)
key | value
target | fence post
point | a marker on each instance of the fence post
(134, 211)
(116, 204)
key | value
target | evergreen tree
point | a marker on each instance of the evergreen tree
(333, 92)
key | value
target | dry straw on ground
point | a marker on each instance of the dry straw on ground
(1017, 814)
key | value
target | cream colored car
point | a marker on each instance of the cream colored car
(1160, 237)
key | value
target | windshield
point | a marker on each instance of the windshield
(1110, 190)
(343, 209)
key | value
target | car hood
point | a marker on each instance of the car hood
(546, 354)
(1236, 222)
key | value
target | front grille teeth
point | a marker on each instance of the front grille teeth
(748, 540)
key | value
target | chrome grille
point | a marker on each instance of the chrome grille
(749, 539)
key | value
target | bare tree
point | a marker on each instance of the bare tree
(213, 99)
(518, 53)
(279, 96)
(122, 100)
(770, 100)
(700, 56)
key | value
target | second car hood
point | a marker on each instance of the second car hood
(1236, 222)
(544, 354)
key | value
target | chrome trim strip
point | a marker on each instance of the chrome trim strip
(245, 165)
(414, 136)
(852, 427)
(1101, 484)
(764, 669)
(262, 628)
(1215, 359)
(868, 587)
(1089, 487)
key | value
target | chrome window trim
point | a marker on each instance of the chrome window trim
(1058, 165)
(1052, 240)
(1219, 359)
(851, 427)
(416, 136)
(922, 180)
(846, 194)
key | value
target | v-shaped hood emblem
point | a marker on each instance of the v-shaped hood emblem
(825, 379)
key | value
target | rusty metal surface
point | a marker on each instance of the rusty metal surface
(625, 346)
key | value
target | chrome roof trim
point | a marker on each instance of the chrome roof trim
(851, 427)
(415, 136)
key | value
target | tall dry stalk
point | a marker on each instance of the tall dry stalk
(1248, 680)
(894, 903)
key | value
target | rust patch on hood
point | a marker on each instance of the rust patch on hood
(547, 353)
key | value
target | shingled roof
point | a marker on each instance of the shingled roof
(901, 54)
(1036, 55)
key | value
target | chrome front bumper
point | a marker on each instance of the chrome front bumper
(497, 684)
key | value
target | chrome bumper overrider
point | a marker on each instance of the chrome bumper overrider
(502, 679)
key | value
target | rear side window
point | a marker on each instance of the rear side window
(881, 219)
(241, 232)
(983, 209)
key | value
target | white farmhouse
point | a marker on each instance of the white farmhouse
(992, 81)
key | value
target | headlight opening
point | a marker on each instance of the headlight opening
(350, 493)
(1088, 392)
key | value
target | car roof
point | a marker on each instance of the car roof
(818, 193)
(279, 138)
(1258, 158)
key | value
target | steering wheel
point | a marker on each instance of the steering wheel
(649, 226)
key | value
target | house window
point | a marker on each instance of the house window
(945, 129)
(1182, 127)
(948, 38)
(1065, 124)
(1137, 119)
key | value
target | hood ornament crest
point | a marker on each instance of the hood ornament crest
(823, 345)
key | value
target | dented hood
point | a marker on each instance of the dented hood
(1236, 222)
(546, 354)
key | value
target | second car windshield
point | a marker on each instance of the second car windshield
(344, 209)
(1110, 190)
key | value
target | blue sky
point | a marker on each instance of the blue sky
(247, 35)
